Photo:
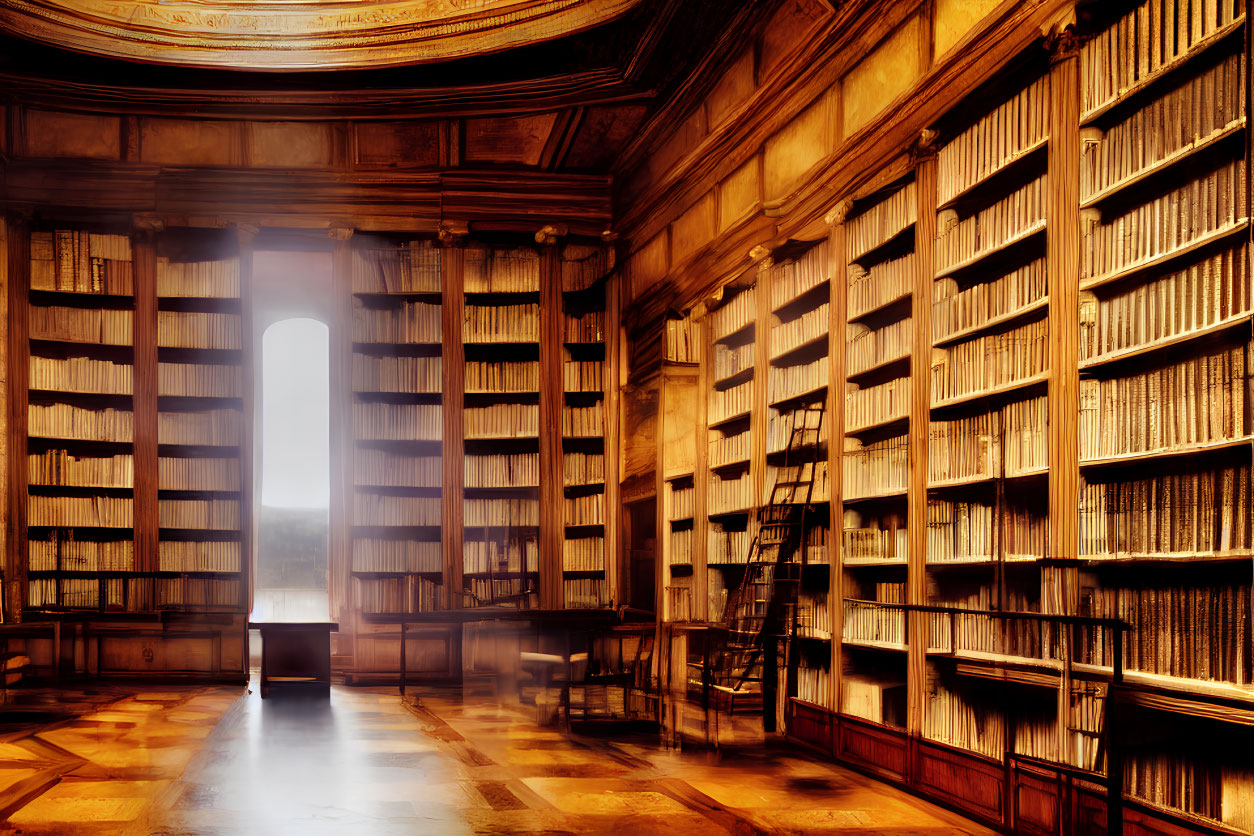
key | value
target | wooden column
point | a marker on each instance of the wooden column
(701, 479)
(837, 315)
(614, 552)
(1062, 251)
(761, 368)
(920, 417)
(144, 337)
(552, 532)
(16, 267)
(244, 237)
(342, 446)
(453, 384)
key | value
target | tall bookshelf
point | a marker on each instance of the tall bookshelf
(1045, 376)
(129, 418)
(396, 559)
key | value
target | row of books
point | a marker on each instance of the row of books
(500, 554)
(1185, 629)
(814, 685)
(683, 340)
(60, 467)
(872, 697)
(208, 514)
(730, 361)
(1201, 400)
(398, 421)
(994, 141)
(90, 511)
(377, 554)
(964, 449)
(587, 328)
(725, 449)
(967, 722)
(501, 323)
(791, 279)
(501, 512)
(410, 594)
(198, 555)
(583, 468)
(406, 323)
(785, 382)
(1209, 204)
(197, 592)
(499, 470)
(727, 546)
(85, 593)
(583, 375)
(1025, 444)
(882, 221)
(61, 420)
(683, 503)
(198, 474)
(1023, 531)
(876, 404)
(957, 309)
(201, 279)
(874, 469)
(504, 376)
(961, 240)
(199, 380)
(212, 427)
(1186, 514)
(1144, 41)
(400, 374)
(1208, 293)
(873, 538)
(870, 623)
(813, 618)
(387, 510)
(585, 554)
(780, 424)
(388, 469)
(811, 477)
(196, 329)
(870, 289)
(503, 592)
(729, 495)
(583, 265)
(412, 267)
(98, 326)
(502, 420)
(1199, 108)
(959, 532)
(583, 421)
(975, 632)
(71, 261)
(729, 403)
(866, 348)
(811, 325)
(679, 599)
(585, 593)
(488, 270)
(987, 363)
(81, 374)
(588, 509)
(735, 313)
(680, 547)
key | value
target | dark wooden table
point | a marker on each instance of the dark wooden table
(295, 656)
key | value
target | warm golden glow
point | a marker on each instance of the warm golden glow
(312, 34)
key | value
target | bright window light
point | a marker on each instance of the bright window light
(296, 398)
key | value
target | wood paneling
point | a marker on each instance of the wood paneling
(190, 142)
(288, 144)
(872, 747)
(53, 134)
(966, 781)
(397, 144)
(509, 139)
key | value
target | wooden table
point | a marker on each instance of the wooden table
(296, 656)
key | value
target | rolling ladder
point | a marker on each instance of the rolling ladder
(762, 607)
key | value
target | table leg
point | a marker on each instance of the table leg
(402, 658)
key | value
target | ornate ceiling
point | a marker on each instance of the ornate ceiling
(300, 34)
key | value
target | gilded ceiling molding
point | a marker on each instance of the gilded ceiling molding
(310, 35)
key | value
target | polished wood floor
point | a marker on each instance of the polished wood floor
(213, 761)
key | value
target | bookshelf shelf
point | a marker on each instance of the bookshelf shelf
(1227, 233)
(881, 368)
(1222, 327)
(886, 308)
(793, 352)
(800, 398)
(1194, 148)
(1032, 153)
(993, 323)
(1128, 94)
(1164, 454)
(966, 265)
(895, 240)
(894, 422)
(995, 392)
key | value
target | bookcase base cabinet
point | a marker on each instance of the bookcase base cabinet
(204, 647)
(433, 653)
(1015, 796)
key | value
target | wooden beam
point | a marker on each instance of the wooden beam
(453, 380)
(144, 334)
(552, 476)
(614, 550)
(17, 351)
(837, 316)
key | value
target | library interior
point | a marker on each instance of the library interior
(633, 416)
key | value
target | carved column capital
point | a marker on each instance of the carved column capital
(452, 233)
(146, 224)
(549, 233)
(760, 255)
(924, 147)
(340, 233)
(838, 213)
(246, 233)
